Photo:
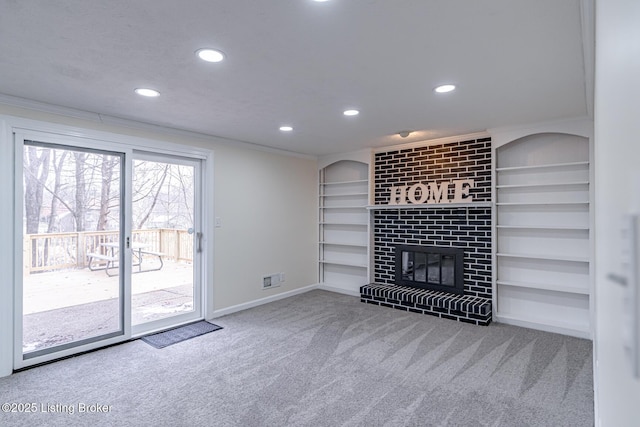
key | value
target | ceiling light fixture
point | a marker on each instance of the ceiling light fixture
(445, 88)
(404, 133)
(150, 93)
(286, 128)
(210, 55)
(351, 112)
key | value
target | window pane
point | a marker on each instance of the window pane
(71, 211)
(163, 240)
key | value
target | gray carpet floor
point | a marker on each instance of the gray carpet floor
(320, 359)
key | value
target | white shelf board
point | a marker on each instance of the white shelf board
(544, 256)
(431, 206)
(546, 287)
(547, 166)
(356, 245)
(542, 227)
(551, 184)
(345, 195)
(359, 181)
(541, 203)
(358, 224)
(348, 264)
(342, 207)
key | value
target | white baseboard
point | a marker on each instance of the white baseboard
(261, 301)
(530, 324)
(339, 289)
(255, 303)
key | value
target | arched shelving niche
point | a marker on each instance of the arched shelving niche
(543, 233)
(344, 226)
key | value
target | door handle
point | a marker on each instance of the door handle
(199, 242)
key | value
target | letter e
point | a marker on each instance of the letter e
(462, 187)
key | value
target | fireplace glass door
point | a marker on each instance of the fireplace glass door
(428, 267)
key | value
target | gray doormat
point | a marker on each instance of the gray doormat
(181, 333)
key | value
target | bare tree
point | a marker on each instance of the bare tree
(186, 189)
(107, 169)
(57, 169)
(81, 186)
(36, 171)
(155, 189)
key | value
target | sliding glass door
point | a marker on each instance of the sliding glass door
(72, 232)
(166, 245)
(111, 244)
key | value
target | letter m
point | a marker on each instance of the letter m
(439, 193)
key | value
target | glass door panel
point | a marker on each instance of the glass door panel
(164, 283)
(72, 290)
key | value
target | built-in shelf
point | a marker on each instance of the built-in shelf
(343, 225)
(544, 210)
(431, 206)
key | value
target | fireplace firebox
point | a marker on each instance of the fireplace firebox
(430, 267)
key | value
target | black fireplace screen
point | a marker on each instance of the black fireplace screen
(430, 267)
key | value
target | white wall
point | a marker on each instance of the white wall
(617, 156)
(266, 200)
(268, 207)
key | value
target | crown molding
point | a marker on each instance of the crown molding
(29, 104)
(437, 141)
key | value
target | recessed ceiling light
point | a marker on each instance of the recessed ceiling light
(351, 112)
(151, 93)
(320, 1)
(445, 88)
(210, 55)
(286, 128)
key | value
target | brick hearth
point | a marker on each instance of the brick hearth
(463, 308)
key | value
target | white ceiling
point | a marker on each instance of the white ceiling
(302, 62)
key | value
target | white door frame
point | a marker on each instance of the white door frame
(9, 126)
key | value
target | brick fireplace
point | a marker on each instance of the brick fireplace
(464, 227)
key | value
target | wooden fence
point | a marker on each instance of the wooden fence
(58, 251)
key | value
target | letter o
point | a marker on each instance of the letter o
(424, 193)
